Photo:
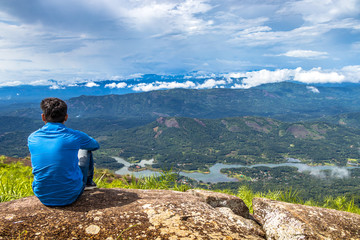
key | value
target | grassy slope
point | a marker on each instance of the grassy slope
(16, 178)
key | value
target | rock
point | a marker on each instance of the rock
(162, 214)
(288, 221)
(216, 199)
(92, 229)
(245, 223)
(126, 214)
(170, 123)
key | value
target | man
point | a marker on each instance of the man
(60, 157)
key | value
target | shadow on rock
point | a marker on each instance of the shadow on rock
(100, 199)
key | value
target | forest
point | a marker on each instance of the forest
(307, 185)
(196, 144)
(191, 130)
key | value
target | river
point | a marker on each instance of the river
(216, 176)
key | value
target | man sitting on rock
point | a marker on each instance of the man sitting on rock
(61, 158)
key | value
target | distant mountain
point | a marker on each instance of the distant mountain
(13, 134)
(191, 143)
(346, 119)
(26, 93)
(53, 88)
(283, 101)
(103, 116)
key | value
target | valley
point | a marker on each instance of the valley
(193, 131)
(196, 144)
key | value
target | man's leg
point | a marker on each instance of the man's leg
(90, 175)
(86, 164)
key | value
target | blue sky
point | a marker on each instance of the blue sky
(311, 41)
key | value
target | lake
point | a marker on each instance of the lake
(216, 176)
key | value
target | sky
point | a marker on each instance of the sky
(310, 41)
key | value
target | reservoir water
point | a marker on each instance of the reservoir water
(215, 175)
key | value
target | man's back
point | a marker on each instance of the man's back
(57, 176)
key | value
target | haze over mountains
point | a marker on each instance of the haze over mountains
(104, 115)
(284, 101)
(17, 93)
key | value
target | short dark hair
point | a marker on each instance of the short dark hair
(54, 109)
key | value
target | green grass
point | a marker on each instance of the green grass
(16, 179)
(341, 203)
(166, 180)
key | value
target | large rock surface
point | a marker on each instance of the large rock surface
(130, 214)
(287, 221)
(216, 199)
(161, 214)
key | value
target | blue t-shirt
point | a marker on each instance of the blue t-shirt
(54, 158)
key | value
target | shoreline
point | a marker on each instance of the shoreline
(215, 172)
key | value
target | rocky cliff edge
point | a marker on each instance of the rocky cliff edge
(163, 214)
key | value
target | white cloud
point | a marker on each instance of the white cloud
(11, 84)
(230, 76)
(111, 85)
(351, 73)
(264, 35)
(91, 84)
(159, 17)
(56, 87)
(41, 82)
(264, 76)
(111, 39)
(305, 54)
(201, 75)
(116, 78)
(210, 83)
(323, 11)
(136, 75)
(31, 52)
(256, 78)
(336, 172)
(313, 89)
(316, 75)
(116, 85)
(162, 85)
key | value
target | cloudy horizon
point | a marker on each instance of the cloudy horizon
(258, 41)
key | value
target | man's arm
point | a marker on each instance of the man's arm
(87, 142)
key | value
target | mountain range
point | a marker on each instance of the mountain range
(118, 120)
(284, 101)
(192, 129)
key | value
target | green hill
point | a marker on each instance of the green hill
(346, 119)
(197, 144)
(193, 144)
